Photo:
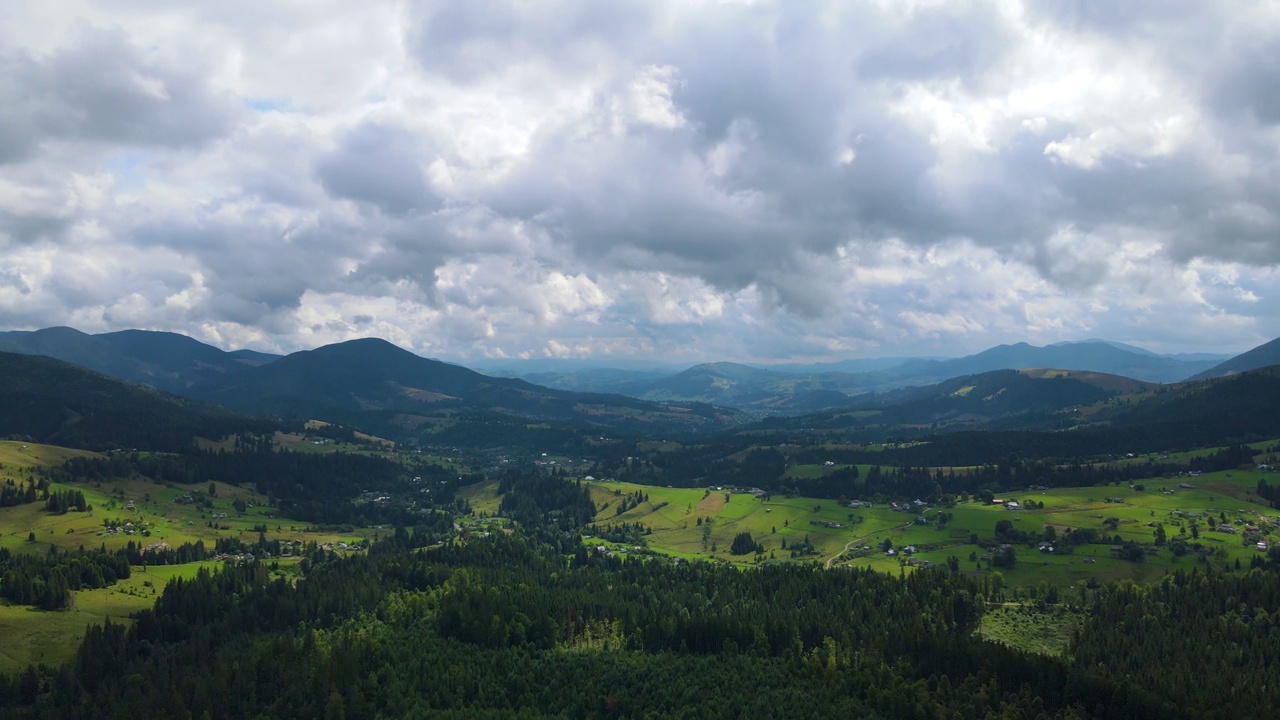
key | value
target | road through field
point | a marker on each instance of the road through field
(859, 539)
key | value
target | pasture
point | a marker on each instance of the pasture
(38, 636)
(157, 512)
(1213, 518)
(141, 511)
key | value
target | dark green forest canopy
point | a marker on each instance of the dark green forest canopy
(515, 627)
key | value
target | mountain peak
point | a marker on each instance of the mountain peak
(369, 344)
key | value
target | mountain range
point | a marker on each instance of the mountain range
(376, 385)
(785, 389)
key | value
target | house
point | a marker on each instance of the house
(1090, 560)
(1262, 545)
(997, 501)
(1012, 505)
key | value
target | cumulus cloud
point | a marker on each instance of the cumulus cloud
(693, 180)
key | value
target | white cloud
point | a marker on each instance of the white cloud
(691, 180)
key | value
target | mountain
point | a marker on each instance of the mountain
(167, 361)
(759, 390)
(50, 401)
(853, 365)
(1262, 356)
(1096, 356)
(378, 386)
(599, 379)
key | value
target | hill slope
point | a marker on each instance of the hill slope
(1264, 355)
(51, 401)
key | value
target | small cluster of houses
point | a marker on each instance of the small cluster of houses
(634, 549)
(127, 529)
(826, 523)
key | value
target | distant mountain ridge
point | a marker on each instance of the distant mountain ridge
(166, 361)
(1095, 356)
(788, 390)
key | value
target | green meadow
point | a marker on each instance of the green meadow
(854, 536)
(157, 508)
(51, 637)
(37, 636)
(779, 524)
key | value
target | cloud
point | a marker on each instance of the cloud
(701, 180)
(100, 87)
(379, 165)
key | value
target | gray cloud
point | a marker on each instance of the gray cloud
(466, 41)
(102, 87)
(380, 165)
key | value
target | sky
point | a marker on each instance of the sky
(676, 181)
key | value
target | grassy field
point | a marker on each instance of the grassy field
(673, 515)
(853, 536)
(37, 636)
(156, 507)
(51, 637)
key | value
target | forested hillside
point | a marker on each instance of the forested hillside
(50, 401)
